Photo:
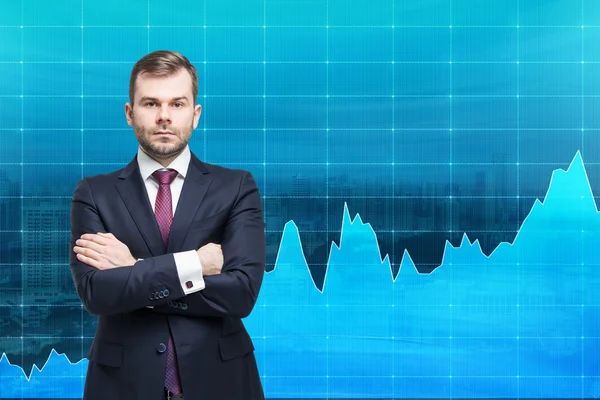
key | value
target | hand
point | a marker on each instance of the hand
(211, 258)
(103, 251)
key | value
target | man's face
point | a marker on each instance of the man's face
(163, 115)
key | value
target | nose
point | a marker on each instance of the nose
(163, 115)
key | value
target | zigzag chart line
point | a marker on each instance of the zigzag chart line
(521, 322)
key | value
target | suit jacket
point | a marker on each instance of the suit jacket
(127, 358)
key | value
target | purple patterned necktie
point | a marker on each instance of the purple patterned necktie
(163, 210)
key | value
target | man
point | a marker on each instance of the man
(147, 258)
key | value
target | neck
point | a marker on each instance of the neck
(163, 160)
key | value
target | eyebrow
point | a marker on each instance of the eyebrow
(146, 98)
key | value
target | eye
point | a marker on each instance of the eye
(150, 104)
(178, 105)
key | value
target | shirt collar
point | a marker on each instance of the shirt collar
(148, 165)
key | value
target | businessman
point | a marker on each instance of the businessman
(169, 252)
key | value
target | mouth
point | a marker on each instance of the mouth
(163, 133)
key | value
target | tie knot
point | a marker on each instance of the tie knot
(165, 177)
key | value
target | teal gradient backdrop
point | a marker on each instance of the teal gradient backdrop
(439, 122)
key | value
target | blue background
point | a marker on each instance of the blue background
(431, 119)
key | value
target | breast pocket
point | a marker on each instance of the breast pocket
(210, 223)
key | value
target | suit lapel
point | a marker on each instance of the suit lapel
(133, 192)
(195, 186)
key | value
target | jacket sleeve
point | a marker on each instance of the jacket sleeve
(234, 291)
(150, 282)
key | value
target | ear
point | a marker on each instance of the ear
(129, 113)
(197, 112)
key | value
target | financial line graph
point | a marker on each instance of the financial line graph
(519, 322)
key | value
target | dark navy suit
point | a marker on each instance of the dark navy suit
(215, 353)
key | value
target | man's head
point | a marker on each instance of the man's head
(162, 110)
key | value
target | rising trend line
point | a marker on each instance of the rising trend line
(522, 322)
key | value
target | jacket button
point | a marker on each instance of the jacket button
(156, 295)
(161, 295)
(161, 348)
(167, 293)
(184, 306)
(151, 297)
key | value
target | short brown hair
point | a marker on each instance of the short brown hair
(163, 63)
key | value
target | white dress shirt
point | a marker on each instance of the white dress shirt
(188, 263)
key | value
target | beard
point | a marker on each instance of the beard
(161, 151)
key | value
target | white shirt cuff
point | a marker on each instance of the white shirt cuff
(189, 270)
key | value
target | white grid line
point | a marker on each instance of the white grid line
(148, 27)
(204, 83)
(264, 139)
(326, 96)
(416, 129)
(403, 377)
(22, 71)
(333, 231)
(248, 62)
(285, 196)
(345, 27)
(327, 319)
(583, 152)
(81, 307)
(408, 305)
(391, 338)
(518, 203)
(397, 258)
(451, 125)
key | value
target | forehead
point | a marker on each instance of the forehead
(167, 87)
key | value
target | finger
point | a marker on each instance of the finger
(89, 261)
(107, 234)
(108, 238)
(95, 238)
(89, 245)
(87, 252)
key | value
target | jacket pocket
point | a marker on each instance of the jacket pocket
(109, 354)
(216, 220)
(235, 345)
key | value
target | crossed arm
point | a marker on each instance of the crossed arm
(104, 251)
(109, 280)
